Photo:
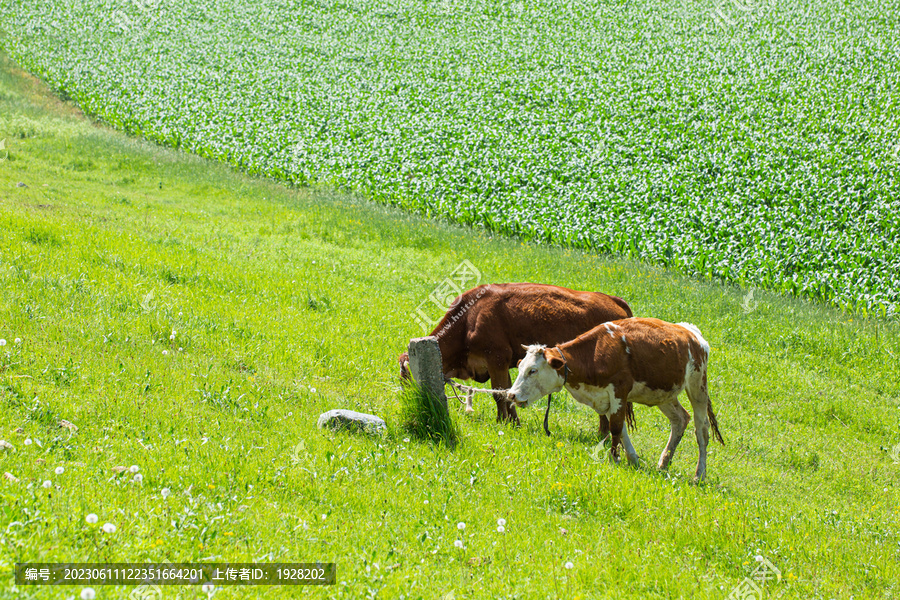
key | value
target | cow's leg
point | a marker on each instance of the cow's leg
(616, 430)
(679, 419)
(699, 397)
(617, 426)
(500, 381)
(619, 431)
(603, 428)
(629, 449)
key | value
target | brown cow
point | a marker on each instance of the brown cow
(482, 335)
(646, 361)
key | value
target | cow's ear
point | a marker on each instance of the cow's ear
(554, 358)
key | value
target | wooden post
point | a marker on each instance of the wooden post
(426, 367)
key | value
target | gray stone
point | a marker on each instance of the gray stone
(426, 367)
(340, 418)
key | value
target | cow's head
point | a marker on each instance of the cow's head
(404, 367)
(540, 373)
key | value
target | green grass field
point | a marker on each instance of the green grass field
(195, 322)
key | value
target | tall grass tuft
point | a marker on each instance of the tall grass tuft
(425, 417)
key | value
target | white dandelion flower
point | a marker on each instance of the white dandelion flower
(109, 528)
(500, 528)
(501, 522)
(59, 470)
(165, 492)
(458, 543)
(138, 478)
(88, 594)
(460, 525)
(17, 341)
(208, 588)
(2, 342)
(134, 468)
(91, 518)
(27, 441)
(165, 352)
(569, 565)
(47, 484)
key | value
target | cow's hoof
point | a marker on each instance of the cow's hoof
(507, 417)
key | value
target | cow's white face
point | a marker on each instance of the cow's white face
(536, 378)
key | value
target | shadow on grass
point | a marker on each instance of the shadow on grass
(599, 451)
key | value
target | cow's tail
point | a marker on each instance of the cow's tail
(629, 415)
(712, 420)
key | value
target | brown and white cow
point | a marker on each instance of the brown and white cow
(482, 335)
(645, 361)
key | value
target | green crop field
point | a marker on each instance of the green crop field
(193, 322)
(753, 141)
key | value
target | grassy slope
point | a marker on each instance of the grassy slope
(287, 303)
